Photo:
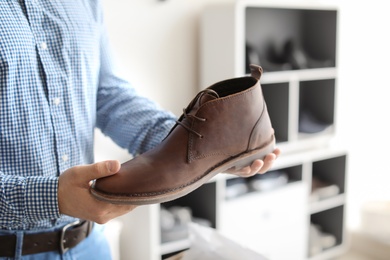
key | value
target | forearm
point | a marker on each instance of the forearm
(133, 122)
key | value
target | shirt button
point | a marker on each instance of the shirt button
(56, 101)
(65, 158)
(43, 46)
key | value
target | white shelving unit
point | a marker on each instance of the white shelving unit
(276, 222)
(296, 44)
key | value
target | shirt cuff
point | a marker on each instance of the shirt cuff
(41, 199)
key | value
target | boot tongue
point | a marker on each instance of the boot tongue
(189, 113)
(207, 96)
(202, 98)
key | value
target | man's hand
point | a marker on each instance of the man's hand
(75, 199)
(258, 166)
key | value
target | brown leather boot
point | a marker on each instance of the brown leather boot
(225, 126)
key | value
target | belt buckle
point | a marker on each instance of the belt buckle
(64, 249)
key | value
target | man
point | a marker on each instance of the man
(57, 83)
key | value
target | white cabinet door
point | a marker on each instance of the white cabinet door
(272, 223)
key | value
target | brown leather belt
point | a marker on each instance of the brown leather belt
(62, 240)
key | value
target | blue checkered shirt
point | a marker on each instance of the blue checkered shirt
(57, 83)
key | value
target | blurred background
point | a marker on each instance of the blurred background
(157, 46)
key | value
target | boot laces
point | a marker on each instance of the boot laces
(190, 106)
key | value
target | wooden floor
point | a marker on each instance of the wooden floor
(355, 256)
(365, 248)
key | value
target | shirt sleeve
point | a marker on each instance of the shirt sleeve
(134, 122)
(28, 199)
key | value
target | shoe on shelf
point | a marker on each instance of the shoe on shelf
(299, 59)
(236, 187)
(321, 189)
(268, 181)
(225, 126)
(310, 124)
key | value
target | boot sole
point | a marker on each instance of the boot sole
(164, 196)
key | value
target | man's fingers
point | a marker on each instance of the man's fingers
(268, 162)
(277, 152)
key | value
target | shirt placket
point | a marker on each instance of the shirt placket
(54, 84)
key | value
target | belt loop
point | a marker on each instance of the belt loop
(19, 245)
(90, 227)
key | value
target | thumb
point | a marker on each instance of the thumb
(102, 169)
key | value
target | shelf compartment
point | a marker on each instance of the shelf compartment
(316, 106)
(261, 183)
(330, 221)
(331, 170)
(276, 96)
(290, 38)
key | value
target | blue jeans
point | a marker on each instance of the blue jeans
(94, 247)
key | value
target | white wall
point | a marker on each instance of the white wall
(156, 43)
(158, 46)
(364, 100)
